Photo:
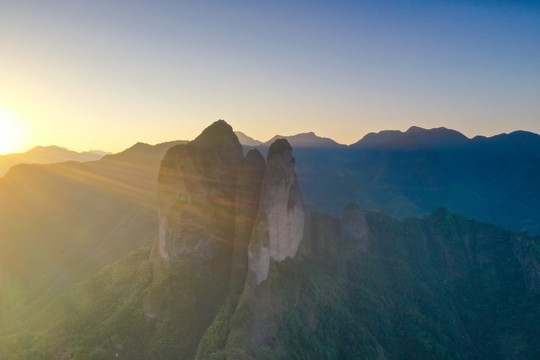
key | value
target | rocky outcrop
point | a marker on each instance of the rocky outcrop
(354, 229)
(228, 218)
(527, 252)
(214, 205)
(279, 227)
(197, 197)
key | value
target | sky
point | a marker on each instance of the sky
(105, 74)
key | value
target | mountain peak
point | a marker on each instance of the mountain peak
(50, 148)
(308, 139)
(414, 137)
(193, 177)
(217, 126)
(215, 131)
(46, 155)
(247, 140)
(415, 129)
(279, 146)
(216, 138)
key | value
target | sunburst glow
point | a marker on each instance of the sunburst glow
(10, 132)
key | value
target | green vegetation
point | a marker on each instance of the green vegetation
(441, 287)
(120, 314)
(95, 320)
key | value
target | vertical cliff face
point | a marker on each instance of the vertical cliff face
(197, 197)
(214, 204)
(225, 218)
(279, 227)
(278, 231)
(248, 194)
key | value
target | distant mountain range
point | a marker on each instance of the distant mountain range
(414, 138)
(492, 179)
(308, 139)
(411, 173)
(47, 155)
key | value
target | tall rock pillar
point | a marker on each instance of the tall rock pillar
(279, 227)
(197, 197)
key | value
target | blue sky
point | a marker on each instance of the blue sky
(105, 74)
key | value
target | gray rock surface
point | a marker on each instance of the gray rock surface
(279, 226)
(248, 194)
(197, 198)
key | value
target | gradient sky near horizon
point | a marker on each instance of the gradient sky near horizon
(104, 74)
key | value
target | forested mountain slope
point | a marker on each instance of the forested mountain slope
(440, 287)
(60, 223)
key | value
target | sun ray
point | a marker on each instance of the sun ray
(10, 132)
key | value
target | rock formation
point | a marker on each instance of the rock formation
(354, 229)
(214, 204)
(197, 197)
(279, 227)
(248, 194)
(229, 217)
(527, 253)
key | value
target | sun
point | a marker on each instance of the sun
(10, 132)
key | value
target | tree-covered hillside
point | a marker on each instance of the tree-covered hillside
(490, 179)
(440, 287)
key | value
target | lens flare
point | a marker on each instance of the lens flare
(10, 132)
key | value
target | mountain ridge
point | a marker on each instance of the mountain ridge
(247, 140)
(308, 139)
(414, 137)
(46, 155)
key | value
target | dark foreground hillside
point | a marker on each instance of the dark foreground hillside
(440, 287)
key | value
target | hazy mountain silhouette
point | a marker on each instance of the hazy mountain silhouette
(61, 222)
(414, 137)
(308, 139)
(47, 155)
(247, 140)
